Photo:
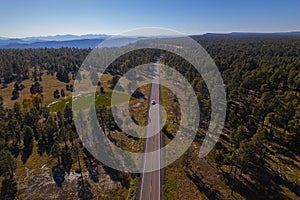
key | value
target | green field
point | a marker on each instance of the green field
(84, 101)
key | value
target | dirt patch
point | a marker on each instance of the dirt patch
(42, 186)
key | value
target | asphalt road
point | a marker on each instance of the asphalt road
(150, 182)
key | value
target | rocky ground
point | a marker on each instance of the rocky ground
(43, 186)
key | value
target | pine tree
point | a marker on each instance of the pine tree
(8, 164)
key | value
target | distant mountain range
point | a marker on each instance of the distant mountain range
(67, 37)
(57, 38)
(83, 44)
(93, 40)
(58, 41)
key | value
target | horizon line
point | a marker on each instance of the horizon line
(111, 35)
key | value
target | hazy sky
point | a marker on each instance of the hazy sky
(51, 17)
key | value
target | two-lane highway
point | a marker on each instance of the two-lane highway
(150, 188)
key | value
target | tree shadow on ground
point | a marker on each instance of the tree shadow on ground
(167, 133)
(58, 175)
(265, 186)
(116, 175)
(93, 173)
(67, 161)
(209, 192)
(266, 176)
(84, 191)
(244, 189)
(92, 166)
(25, 154)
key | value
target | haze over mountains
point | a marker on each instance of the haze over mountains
(93, 40)
(57, 41)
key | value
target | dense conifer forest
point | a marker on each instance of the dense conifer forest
(260, 139)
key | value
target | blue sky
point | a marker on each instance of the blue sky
(52, 17)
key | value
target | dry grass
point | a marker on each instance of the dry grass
(176, 185)
(49, 84)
